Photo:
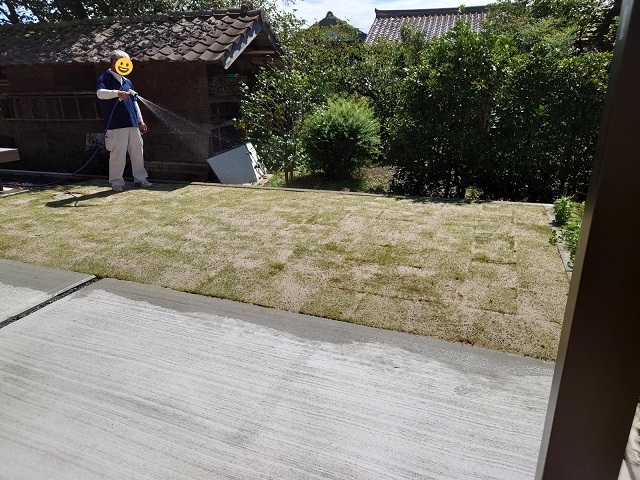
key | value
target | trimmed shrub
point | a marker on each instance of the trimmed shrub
(341, 138)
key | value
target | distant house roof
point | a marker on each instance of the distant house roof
(434, 22)
(330, 20)
(212, 36)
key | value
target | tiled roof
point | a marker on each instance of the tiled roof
(211, 36)
(433, 22)
(330, 20)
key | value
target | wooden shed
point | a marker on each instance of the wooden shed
(189, 64)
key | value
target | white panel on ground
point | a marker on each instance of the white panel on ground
(239, 165)
(9, 155)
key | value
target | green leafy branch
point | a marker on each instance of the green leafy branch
(568, 215)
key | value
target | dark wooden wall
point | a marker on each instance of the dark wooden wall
(55, 109)
(177, 145)
(179, 139)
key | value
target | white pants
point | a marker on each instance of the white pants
(119, 141)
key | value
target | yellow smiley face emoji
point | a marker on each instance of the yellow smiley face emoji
(124, 66)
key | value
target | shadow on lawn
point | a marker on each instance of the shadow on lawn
(69, 199)
(72, 199)
(425, 200)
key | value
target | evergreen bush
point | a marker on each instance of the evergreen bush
(341, 138)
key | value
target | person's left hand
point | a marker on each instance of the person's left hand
(143, 127)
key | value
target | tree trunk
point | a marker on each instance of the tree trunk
(105, 7)
(12, 15)
(70, 10)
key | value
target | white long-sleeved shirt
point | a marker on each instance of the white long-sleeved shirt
(105, 94)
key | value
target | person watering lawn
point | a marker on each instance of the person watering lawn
(122, 121)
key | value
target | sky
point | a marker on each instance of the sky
(361, 13)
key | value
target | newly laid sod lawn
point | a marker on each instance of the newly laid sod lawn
(479, 273)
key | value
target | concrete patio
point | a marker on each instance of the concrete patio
(121, 380)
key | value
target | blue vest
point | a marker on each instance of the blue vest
(124, 111)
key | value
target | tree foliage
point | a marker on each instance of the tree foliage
(439, 134)
(512, 111)
(548, 111)
(23, 11)
(271, 114)
(317, 64)
(588, 20)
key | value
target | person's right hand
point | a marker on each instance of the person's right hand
(123, 95)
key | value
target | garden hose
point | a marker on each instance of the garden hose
(82, 167)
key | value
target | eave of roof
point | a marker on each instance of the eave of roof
(212, 36)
